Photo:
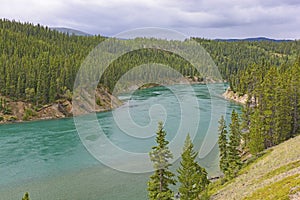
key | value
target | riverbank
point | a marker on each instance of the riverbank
(20, 111)
(232, 96)
(182, 80)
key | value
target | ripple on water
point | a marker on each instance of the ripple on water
(47, 158)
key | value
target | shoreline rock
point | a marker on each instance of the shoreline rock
(24, 111)
(230, 95)
(21, 111)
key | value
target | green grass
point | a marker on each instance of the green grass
(263, 173)
(214, 187)
(252, 161)
(279, 190)
(280, 170)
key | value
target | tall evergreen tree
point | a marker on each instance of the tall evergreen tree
(295, 98)
(268, 108)
(256, 142)
(158, 185)
(223, 145)
(192, 177)
(283, 110)
(234, 158)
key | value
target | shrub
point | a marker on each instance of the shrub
(28, 114)
(12, 118)
(26, 196)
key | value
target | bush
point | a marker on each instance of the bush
(26, 196)
(28, 114)
(99, 102)
(12, 118)
(7, 111)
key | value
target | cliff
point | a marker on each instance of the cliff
(230, 95)
(18, 111)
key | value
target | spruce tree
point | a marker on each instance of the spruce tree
(247, 110)
(268, 107)
(295, 98)
(256, 142)
(283, 110)
(223, 143)
(234, 159)
(158, 185)
(192, 177)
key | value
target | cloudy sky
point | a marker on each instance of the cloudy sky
(202, 18)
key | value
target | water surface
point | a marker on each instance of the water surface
(47, 158)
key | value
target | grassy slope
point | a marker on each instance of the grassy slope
(275, 175)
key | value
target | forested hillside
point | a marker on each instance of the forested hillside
(39, 65)
(271, 115)
(272, 112)
(233, 58)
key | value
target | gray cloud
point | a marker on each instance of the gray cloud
(209, 18)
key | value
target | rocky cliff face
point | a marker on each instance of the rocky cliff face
(18, 111)
(230, 95)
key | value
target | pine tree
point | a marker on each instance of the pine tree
(247, 110)
(223, 143)
(283, 110)
(234, 159)
(192, 177)
(295, 98)
(158, 185)
(268, 108)
(256, 142)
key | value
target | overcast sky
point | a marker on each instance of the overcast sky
(202, 18)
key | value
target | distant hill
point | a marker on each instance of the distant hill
(70, 31)
(256, 39)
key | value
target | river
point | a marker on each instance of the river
(48, 159)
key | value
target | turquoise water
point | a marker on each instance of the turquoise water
(47, 158)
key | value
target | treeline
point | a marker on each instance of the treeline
(39, 65)
(272, 112)
(270, 116)
(153, 54)
(147, 56)
(233, 58)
